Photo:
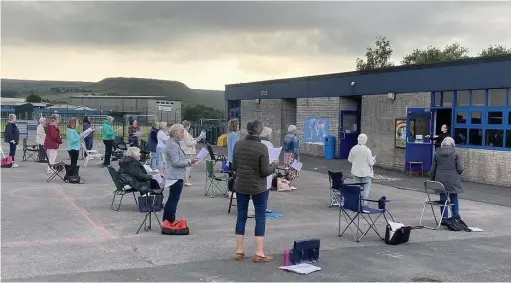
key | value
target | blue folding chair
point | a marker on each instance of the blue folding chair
(353, 202)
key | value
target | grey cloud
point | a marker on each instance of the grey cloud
(326, 28)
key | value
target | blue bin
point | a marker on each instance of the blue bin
(329, 147)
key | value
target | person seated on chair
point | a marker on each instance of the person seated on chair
(447, 168)
(133, 173)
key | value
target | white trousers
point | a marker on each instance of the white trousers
(52, 156)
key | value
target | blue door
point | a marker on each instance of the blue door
(418, 148)
(349, 128)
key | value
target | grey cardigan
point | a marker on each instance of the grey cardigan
(176, 161)
(447, 168)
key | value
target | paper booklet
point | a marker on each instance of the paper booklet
(297, 165)
(201, 155)
(86, 132)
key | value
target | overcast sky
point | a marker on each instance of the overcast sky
(210, 44)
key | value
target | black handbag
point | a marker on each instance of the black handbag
(72, 176)
(305, 251)
(398, 236)
(150, 203)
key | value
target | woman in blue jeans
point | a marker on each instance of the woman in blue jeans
(174, 174)
(447, 168)
(252, 165)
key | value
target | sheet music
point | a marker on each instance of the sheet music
(137, 134)
(201, 155)
(158, 178)
(297, 165)
(86, 132)
(274, 153)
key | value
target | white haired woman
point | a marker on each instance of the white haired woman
(177, 162)
(362, 161)
(291, 153)
(265, 136)
(134, 174)
(40, 137)
(188, 145)
(447, 168)
(162, 138)
(12, 136)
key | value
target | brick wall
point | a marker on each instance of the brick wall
(327, 107)
(486, 166)
(378, 118)
(269, 111)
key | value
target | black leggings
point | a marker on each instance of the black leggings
(109, 144)
(73, 154)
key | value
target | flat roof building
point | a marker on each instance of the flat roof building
(397, 108)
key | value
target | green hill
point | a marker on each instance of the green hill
(58, 90)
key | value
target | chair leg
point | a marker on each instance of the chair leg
(119, 205)
(135, 198)
(143, 222)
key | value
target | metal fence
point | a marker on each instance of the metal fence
(213, 127)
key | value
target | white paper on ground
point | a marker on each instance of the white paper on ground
(297, 165)
(274, 153)
(475, 229)
(201, 155)
(86, 133)
(302, 268)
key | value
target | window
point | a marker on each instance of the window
(475, 137)
(447, 98)
(495, 118)
(497, 97)
(460, 136)
(509, 118)
(476, 117)
(463, 98)
(461, 117)
(477, 98)
(494, 138)
(437, 99)
(508, 138)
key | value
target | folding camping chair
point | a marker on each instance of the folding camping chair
(90, 155)
(30, 151)
(336, 180)
(215, 183)
(230, 185)
(56, 169)
(215, 156)
(435, 188)
(120, 188)
(353, 201)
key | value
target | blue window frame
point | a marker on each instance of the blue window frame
(481, 118)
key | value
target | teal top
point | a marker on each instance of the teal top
(73, 139)
(108, 132)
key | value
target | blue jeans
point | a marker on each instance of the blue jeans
(133, 141)
(260, 204)
(12, 150)
(455, 206)
(153, 161)
(169, 212)
(159, 161)
(88, 143)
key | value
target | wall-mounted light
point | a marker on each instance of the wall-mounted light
(258, 101)
(391, 96)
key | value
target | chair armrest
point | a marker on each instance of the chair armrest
(372, 200)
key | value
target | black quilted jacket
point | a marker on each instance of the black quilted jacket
(132, 172)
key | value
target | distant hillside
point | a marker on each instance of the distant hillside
(173, 90)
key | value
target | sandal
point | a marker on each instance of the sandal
(239, 256)
(262, 259)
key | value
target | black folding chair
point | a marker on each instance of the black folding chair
(56, 169)
(30, 151)
(230, 186)
(215, 156)
(120, 188)
(435, 188)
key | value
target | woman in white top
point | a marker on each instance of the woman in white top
(265, 139)
(188, 146)
(160, 147)
(40, 137)
(362, 161)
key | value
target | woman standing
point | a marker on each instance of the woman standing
(73, 145)
(108, 139)
(177, 162)
(232, 138)
(188, 145)
(265, 139)
(12, 136)
(160, 147)
(447, 168)
(133, 132)
(90, 137)
(291, 153)
(252, 165)
(152, 142)
(40, 137)
(52, 140)
(362, 161)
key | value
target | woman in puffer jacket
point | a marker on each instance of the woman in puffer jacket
(132, 172)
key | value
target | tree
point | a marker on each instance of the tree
(194, 113)
(435, 55)
(495, 50)
(376, 58)
(34, 98)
